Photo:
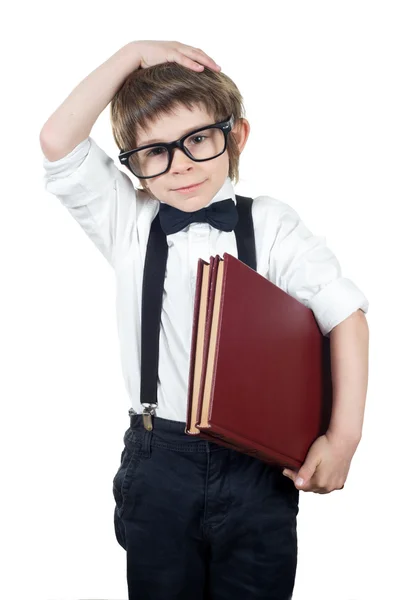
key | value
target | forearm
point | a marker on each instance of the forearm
(73, 120)
(349, 343)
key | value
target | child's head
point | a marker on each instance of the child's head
(161, 104)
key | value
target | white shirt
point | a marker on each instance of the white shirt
(117, 218)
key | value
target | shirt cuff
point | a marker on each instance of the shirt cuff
(335, 302)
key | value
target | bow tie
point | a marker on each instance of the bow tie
(222, 215)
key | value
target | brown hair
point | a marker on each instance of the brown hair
(147, 94)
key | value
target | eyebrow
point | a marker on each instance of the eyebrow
(153, 141)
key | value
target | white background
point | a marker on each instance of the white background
(320, 85)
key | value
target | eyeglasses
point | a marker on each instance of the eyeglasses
(155, 159)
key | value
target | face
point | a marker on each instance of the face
(185, 171)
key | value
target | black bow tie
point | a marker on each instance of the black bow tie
(222, 215)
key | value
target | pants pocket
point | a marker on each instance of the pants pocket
(119, 529)
(125, 475)
(286, 487)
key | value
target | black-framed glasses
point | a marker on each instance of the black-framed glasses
(155, 159)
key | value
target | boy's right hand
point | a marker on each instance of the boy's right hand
(152, 52)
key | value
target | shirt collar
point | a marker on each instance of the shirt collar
(226, 191)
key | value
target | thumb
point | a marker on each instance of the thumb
(305, 473)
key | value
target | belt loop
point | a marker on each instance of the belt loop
(146, 437)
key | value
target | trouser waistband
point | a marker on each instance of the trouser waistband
(169, 433)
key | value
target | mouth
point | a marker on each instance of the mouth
(189, 188)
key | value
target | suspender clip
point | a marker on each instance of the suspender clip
(148, 412)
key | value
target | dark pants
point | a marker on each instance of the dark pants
(202, 522)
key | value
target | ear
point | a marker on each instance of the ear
(241, 131)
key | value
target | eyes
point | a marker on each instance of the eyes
(197, 137)
(156, 151)
(160, 149)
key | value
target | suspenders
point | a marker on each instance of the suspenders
(153, 286)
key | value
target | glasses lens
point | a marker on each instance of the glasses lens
(149, 162)
(203, 145)
(206, 143)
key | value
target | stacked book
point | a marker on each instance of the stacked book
(260, 373)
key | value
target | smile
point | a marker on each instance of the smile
(189, 188)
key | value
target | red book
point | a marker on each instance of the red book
(260, 374)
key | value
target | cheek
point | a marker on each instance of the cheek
(155, 186)
(224, 161)
(152, 191)
(219, 166)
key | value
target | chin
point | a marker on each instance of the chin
(194, 203)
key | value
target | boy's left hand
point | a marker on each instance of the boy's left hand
(326, 465)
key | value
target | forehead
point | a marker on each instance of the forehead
(173, 125)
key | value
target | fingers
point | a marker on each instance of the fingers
(187, 62)
(198, 55)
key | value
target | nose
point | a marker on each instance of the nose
(180, 162)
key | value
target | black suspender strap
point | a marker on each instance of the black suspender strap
(152, 295)
(244, 232)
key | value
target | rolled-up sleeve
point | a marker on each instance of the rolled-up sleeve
(98, 195)
(303, 265)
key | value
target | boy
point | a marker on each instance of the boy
(196, 519)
